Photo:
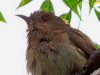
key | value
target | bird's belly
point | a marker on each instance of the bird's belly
(64, 60)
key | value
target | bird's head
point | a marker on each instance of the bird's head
(44, 21)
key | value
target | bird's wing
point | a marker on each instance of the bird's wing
(82, 41)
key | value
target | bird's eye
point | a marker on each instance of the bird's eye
(44, 18)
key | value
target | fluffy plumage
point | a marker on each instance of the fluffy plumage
(54, 48)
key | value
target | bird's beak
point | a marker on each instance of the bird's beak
(27, 19)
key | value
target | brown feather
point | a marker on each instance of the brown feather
(82, 41)
(51, 49)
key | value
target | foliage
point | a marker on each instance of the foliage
(47, 5)
(98, 14)
(23, 2)
(67, 16)
(2, 18)
(91, 4)
(97, 45)
(72, 4)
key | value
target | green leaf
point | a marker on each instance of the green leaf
(97, 45)
(72, 4)
(47, 5)
(2, 18)
(80, 4)
(97, 14)
(91, 4)
(23, 2)
(67, 16)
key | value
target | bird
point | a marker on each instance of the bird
(54, 47)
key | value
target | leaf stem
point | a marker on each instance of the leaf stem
(80, 19)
